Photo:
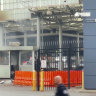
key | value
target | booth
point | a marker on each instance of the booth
(15, 58)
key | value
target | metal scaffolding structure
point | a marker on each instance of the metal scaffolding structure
(28, 15)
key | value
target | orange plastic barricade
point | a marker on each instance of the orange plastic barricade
(26, 78)
(23, 78)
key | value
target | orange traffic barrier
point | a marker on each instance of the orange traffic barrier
(26, 78)
(23, 78)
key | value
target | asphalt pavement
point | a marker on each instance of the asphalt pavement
(10, 90)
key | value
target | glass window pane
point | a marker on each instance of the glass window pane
(26, 57)
(4, 58)
(31, 41)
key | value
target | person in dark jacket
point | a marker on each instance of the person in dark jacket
(61, 89)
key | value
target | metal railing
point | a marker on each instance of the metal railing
(69, 66)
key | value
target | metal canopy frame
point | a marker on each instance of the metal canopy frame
(50, 16)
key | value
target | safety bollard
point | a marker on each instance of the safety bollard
(42, 81)
(34, 81)
(82, 80)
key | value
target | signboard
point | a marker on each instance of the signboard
(90, 20)
(43, 64)
(82, 14)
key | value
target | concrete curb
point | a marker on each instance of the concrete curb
(88, 91)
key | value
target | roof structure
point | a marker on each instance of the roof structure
(21, 14)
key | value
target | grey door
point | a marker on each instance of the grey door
(14, 62)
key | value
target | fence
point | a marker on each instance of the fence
(49, 43)
(66, 62)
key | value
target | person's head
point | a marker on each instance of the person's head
(57, 80)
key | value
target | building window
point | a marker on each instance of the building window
(31, 41)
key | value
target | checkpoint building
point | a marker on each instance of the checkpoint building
(28, 25)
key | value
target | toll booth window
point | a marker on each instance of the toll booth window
(26, 57)
(4, 58)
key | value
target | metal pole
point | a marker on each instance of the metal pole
(60, 45)
(25, 39)
(9, 63)
(69, 62)
(19, 60)
(2, 5)
(40, 3)
(4, 30)
(5, 38)
(38, 46)
(38, 69)
(33, 60)
(1, 35)
(38, 32)
(78, 55)
(59, 3)
(42, 36)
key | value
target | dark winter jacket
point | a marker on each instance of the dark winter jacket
(61, 90)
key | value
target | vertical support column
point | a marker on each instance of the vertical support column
(33, 60)
(38, 46)
(38, 32)
(40, 3)
(1, 35)
(69, 63)
(60, 45)
(9, 63)
(38, 70)
(78, 55)
(59, 3)
(25, 39)
(42, 36)
(5, 38)
(19, 60)
(2, 5)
